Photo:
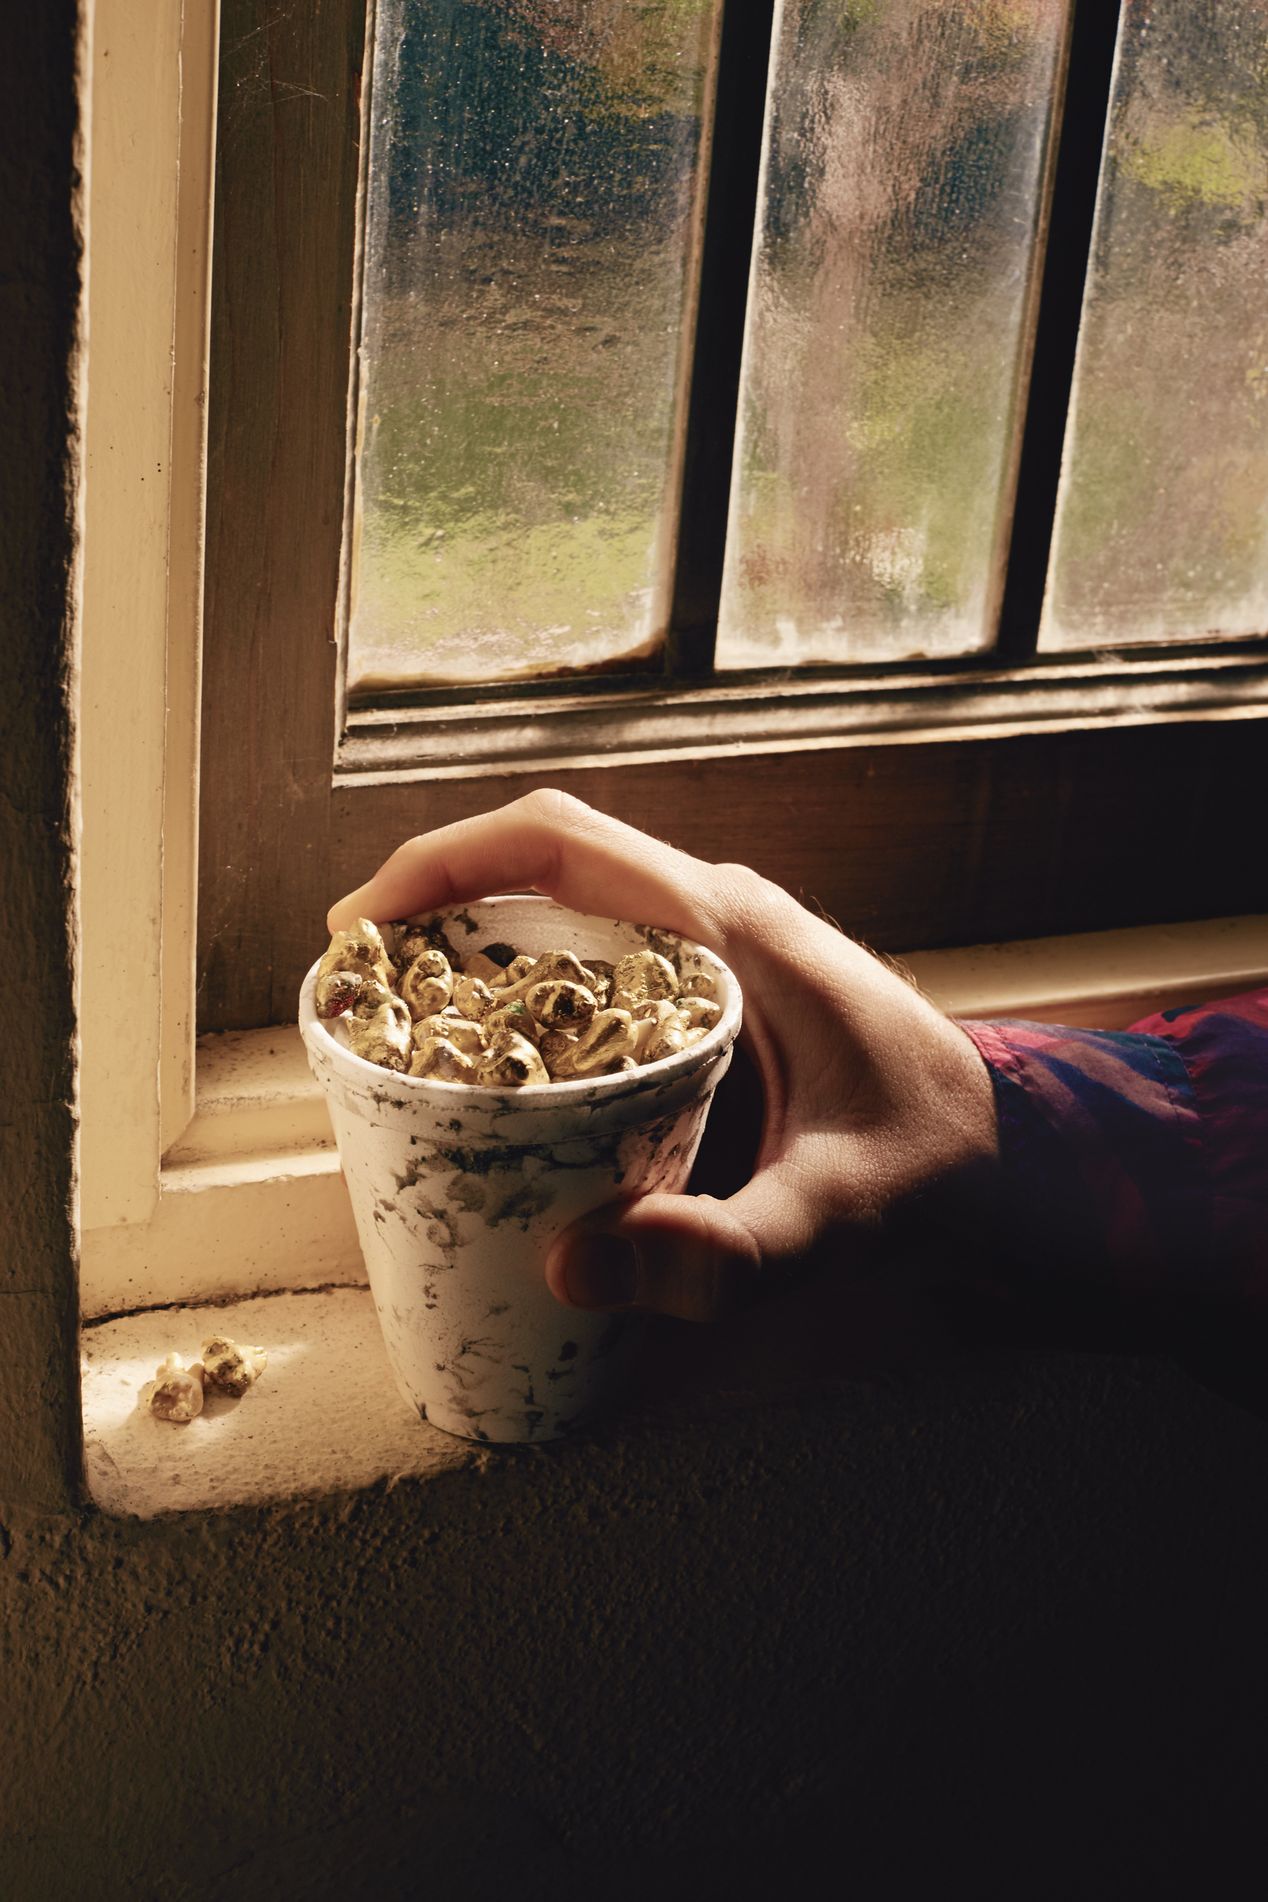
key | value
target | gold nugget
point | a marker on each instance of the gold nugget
(518, 968)
(338, 991)
(553, 967)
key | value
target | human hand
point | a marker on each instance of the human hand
(874, 1101)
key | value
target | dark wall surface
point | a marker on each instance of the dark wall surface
(995, 1629)
(40, 361)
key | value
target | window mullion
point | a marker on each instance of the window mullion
(730, 220)
(1093, 37)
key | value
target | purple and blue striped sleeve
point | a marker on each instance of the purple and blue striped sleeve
(1137, 1161)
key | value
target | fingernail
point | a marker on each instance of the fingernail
(601, 1271)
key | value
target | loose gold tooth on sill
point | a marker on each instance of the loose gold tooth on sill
(231, 1368)
(176, 1391)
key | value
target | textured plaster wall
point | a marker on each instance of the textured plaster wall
(1003, 1621)
(993, 1626)
(40, 360)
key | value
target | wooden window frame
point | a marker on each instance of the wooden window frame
(1011, 796)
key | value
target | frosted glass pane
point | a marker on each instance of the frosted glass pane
(532, 231)
(1162, 520)
(888, 328)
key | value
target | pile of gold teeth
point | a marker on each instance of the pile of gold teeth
(176, 1391)
(501, 1019)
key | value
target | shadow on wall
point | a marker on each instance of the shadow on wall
(999, 1622)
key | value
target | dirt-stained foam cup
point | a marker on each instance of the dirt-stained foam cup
(459, 1191)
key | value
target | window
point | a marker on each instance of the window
(535, 183)
(305, 783)
(534, 179)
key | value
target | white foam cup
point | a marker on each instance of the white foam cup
(459, 1191)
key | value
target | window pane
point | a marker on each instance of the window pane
(889, 327)
(532, 226)
(1162, 521)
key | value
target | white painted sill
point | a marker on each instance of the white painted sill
(253, 1234)
(324, 1417)
(250, 1198)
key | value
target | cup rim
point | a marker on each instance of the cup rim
(359, 1070)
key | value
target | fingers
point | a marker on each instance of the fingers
(685, 1255)
(555, 844)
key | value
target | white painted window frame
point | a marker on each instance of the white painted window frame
(151, 126)
(211, 1173)
(170, 1206)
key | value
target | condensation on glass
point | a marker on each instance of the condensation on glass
(889, 327)
(1162, 520)
(532, 236)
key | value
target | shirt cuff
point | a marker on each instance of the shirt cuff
(1105, 1182)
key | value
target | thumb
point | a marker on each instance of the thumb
(687, 1255)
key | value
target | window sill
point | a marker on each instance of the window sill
(1101, 980)
(274, 1259)
(324, 1417)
